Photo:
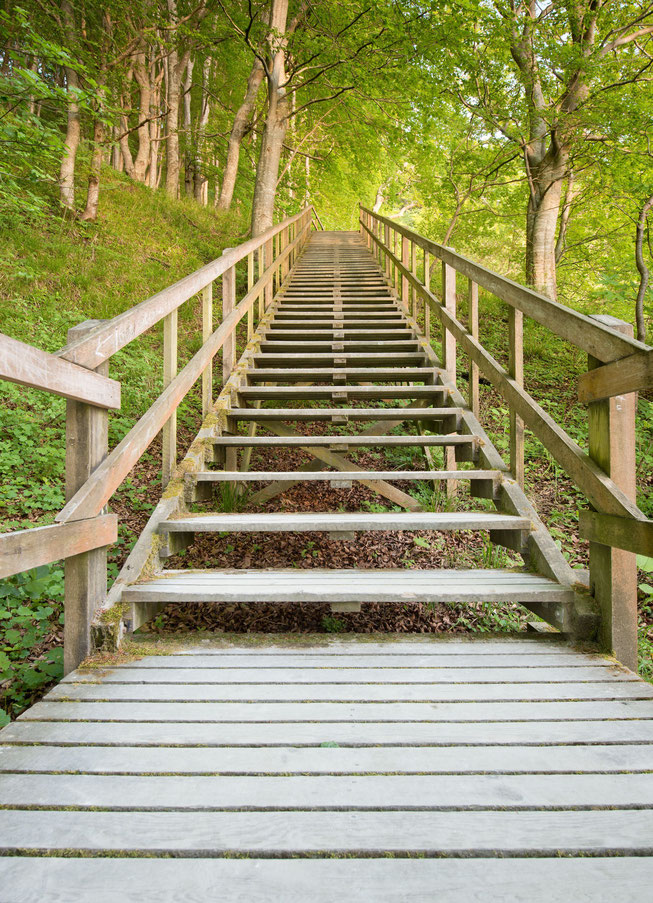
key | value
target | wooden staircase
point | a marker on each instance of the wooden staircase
(337, 335)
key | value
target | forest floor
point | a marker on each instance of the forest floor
(58, 273)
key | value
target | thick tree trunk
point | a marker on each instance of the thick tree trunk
(570, 193)
(642, 268)
(238, 132)
(276, 123)
(546, 180)
(142, 76)
(73, 125)
(97, 157)
(154, 124)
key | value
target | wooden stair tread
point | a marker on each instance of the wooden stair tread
(349, 585)
(404, 413)
(361, 440)
(343, 522)
(209, 476)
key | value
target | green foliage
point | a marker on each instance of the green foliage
(31, 609)
(331, 624)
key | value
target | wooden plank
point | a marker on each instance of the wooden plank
(265, 673)
(110, 337)
(296, 832)
(472, 305)
(629, 374)
(167, 760)
(29, 366)
(228, 305)
(353, 792)
(570, 325)
(207, 332)
(329, 521)
(602, 492)
(339, 439)
(435, 735)
(310, 414)
(169, 438)
(326, 712)
(516, 372)
(26, 549)
(619, 532)
(613, 572)
(296, 476)
(588, 880)
(353, 692)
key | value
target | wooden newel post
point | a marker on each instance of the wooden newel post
(207, 332)
(613, 572)
(228, 304)
(405, 259)
(170, 359)
(85, 575)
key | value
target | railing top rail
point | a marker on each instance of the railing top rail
(110, 337)
(595, 338)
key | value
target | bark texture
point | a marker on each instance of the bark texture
(642, 268)
(239, 129)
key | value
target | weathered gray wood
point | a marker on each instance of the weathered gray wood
(228, 305)
(472, 306)
(166, 760)
(589, 880)
(516, 372)
(207, 331)
(105, 340)
(26, 549)
(629, 374)
(295, 832)
(619, 532)
(354, 692)
(312, 733)
(570, 325)
(268, 393)
(384, 792)
(340, 440)
(295, 476)
(613, 571)
(85, 574)
(302, 522)
(311, 414)
(169, 438)
(29, 366)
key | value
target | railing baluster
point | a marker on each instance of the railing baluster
(427, 283)
(207, 332)
(386, 242)
(85, 575)
(169, 432)
(449, 359)
(472, 296)
(260, 256)
(269, 288)
(228, 304)
(613, 572)
(516, 371)
(413, 269)
(405, 259)
(250, 283)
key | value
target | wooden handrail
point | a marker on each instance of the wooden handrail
(105, 479)
(114, 334)
(629, 374)
(29, 366)
(576, 328)
(599, 488)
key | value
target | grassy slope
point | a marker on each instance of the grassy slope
(53, 275)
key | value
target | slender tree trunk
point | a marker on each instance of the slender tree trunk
(642, 268)
(97, 158)
(546, 178)
(142, 76)
(200, 179)
(189, 156)
(73, 124)
(125, 104)
(116, 155)
(238, 132)
(154, 124)
(276, 123)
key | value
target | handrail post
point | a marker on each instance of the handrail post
(228, 304)
(260, 256)
(613, 572)
(169, 433)
(516, 371)
(269, 288)
(386, 242)
(472, 299)
(449, 359)
(250, 283)
(207, 332)
(85, 575)
(427, 285)
(405, 259)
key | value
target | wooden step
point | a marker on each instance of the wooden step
(299, 359)
(339, 335)
(344, 345)
(343, 523)
(342, 414)
(351, 585)
(334, 374)
(340, 324)
(341, 393)
(263, 476)
(360, 441)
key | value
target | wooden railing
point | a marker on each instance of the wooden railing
(79, 372)
(617, 363)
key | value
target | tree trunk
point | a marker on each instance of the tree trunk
(117, 161)
(276, 123)
(570, 194)
(189, 157)
(546, 180)
(154, 124)
(125, 103)
(142, 76)
(642, 268)
(238, 132)
(97, 157)
(73, 125)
